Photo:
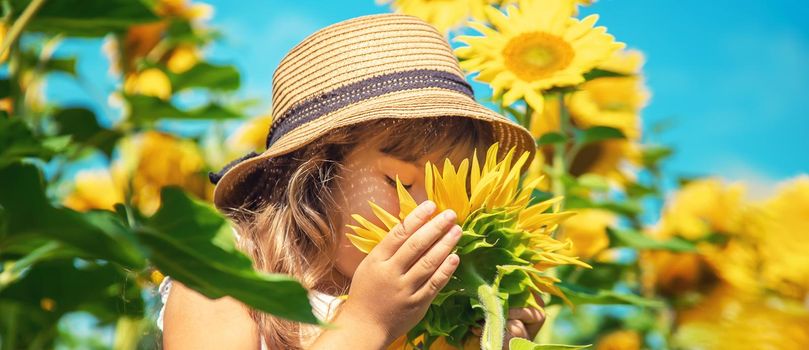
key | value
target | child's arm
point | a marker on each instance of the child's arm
(192, 321)
(393, 286)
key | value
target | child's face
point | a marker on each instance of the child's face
(369, 174)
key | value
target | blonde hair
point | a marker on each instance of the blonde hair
(293, 228)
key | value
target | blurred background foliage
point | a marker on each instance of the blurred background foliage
(83, 251)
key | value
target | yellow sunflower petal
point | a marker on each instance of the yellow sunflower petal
(364, 245)
(406, 202)
(387, 218)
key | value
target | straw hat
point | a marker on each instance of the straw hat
(360, 69)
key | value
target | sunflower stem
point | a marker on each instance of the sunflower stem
(559, 168)
(16, 28)
(526, 122)
(495, 325)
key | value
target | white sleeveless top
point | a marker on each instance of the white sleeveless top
(323, 306)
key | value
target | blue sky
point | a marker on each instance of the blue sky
(732, 76)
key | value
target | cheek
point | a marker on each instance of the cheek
(348, 257)
(357, 191)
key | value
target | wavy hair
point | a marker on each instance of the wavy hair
(294, 230)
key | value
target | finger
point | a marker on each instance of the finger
(476, 331)
(532, 318)
(415, 246)
(527, 315)
(399, 233)
(440, 278)
(432, 259)
(516, 328)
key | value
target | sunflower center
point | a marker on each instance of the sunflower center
(536, 55)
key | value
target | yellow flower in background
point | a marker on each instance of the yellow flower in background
(729, 318)
(588, 231)
(153, 160)
(139, 41)
(534, 47)
(182, 58)
(546, 120)
(671, 273)
(702, 207)
(611, 159)
(251, 135)
(613, 101)
(736, 262)
(94, 189)
(536, 172)
(150, 82)
(3, 32)
(184, 9)
(624, 62)
(620, 340)
(575, 2)
(780, 227)
(444, 14)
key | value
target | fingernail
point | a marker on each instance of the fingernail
(450, 215)
(428, 206)
(454, 259)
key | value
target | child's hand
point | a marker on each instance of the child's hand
(397, 281)
(523, 322)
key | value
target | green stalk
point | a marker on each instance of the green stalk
(495, 323)
(16, 28)
(526, 119)
(559, 169)
(127, 332)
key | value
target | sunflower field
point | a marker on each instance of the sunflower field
(97, 206)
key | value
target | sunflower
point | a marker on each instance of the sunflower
(744, 321)
(588, 231)
(613, 101)
(250, 136)
(94, 189)
(620, 340)
(703, 207)
(150, 82)
(444, 14)
(778, 226)
(534, 47)
(506, 246)
(153, 160)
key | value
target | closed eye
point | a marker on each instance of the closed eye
(392, 182)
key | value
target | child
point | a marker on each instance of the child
(355, 105)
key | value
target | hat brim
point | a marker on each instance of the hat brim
(233, 186)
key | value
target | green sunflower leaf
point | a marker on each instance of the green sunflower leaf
(87, 18)
(603, 73)
(598, 134)
(551, 138)
(82, 125)
(525, 344)
(31, 221)
(146, 109)
(580, 295)
(638, 240)
(189, 241)
(206, 75)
